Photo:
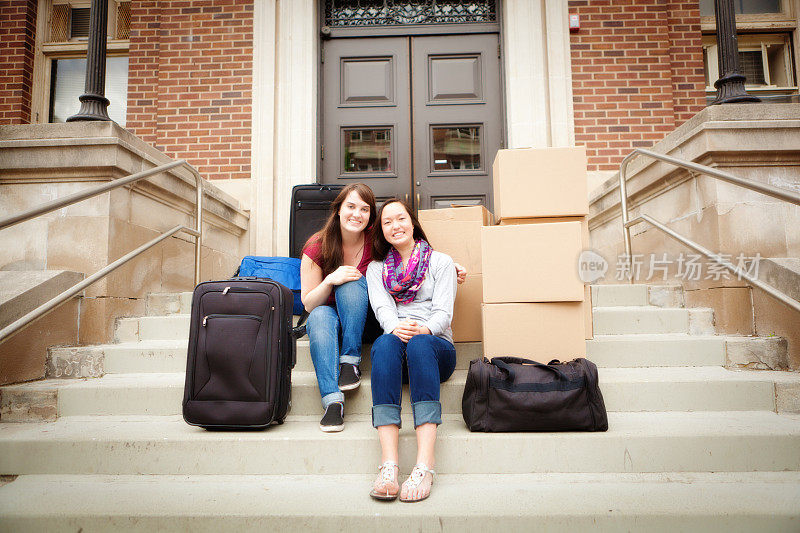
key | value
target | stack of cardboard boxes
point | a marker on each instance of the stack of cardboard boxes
(523, 296)
(534, 303)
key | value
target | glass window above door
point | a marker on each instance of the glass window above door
(351, 13)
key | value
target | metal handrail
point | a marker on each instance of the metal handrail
(769, 190)
(48, 207)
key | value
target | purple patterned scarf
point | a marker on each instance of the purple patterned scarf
(403, 286)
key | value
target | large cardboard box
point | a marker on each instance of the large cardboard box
(456, 231)
(540, 182)
(584, 221)
(467, 323)
(532, 263)
(538, 331)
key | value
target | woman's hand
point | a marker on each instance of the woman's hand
(461, 273)
(342, 275)
(407, 329)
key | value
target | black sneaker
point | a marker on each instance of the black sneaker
(349, 377)
(333, 420)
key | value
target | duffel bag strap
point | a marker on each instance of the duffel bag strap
(503, 364)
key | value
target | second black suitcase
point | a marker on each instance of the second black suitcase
(310, 206)
(241, 353)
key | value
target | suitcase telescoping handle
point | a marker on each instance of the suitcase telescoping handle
(503, 364)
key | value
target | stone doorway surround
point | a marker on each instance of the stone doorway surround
(537, 84)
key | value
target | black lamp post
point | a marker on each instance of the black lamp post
(730, 85)
(93, 101)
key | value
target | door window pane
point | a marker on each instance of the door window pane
(368, 150)
(457, 148)
(68, 79)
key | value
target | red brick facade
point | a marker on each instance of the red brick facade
(637, 70)
(637, 74)
(17, 40)
(189, 82)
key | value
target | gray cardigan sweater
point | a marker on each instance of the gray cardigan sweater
(432, 306)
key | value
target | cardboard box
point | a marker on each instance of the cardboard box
(467, 322)
(540, 182)
(469, 213)
(584, 221)
(532, 263)
(538, 331)
(456, 232)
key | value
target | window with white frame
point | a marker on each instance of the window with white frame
(60, 64)
(766, 33)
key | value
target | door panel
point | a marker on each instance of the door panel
(456, 118)
(413, 117)
(366, 114)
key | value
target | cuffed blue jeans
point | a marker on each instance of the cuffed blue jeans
(327, 326)
(430, 361)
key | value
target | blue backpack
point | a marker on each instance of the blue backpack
(284, 270)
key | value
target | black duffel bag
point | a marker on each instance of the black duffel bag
(513, 394)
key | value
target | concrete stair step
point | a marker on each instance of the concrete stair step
(668, 349)
(739, 441)
(167, 327)
(602, 296)
(169, 303)
(753, 501)
(607, 320)
(624, 389)
(672, 349)
(616, 295)
(648, 320)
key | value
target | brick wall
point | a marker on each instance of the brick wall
(17, 39)
(189, 82)
(637, 73)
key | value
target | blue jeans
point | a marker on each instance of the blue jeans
(326, 326)
(430, 361)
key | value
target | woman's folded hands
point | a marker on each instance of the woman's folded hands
(408, 328)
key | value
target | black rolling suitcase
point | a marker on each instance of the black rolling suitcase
(241, 353)
(310, 205)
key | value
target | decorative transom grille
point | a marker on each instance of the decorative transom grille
(123, 20)
(59, 23)
(348, 13)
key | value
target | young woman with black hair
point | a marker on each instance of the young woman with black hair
(412, 289)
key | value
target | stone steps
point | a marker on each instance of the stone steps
(737, 441)
(671, 349)
(691, 445)
(624, 389)
(619, 320)
(731, 502)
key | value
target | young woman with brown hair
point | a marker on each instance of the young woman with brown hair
(334, 292)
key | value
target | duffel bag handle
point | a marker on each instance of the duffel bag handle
(503, 364)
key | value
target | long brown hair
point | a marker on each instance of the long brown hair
(380, 246)
(331, 255)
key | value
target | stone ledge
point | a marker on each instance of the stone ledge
(22, 291)
(695, 141)
(109, 152)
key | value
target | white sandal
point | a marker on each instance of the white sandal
(415, 479)
(387, 474)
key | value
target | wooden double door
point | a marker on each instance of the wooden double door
(416, 117)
